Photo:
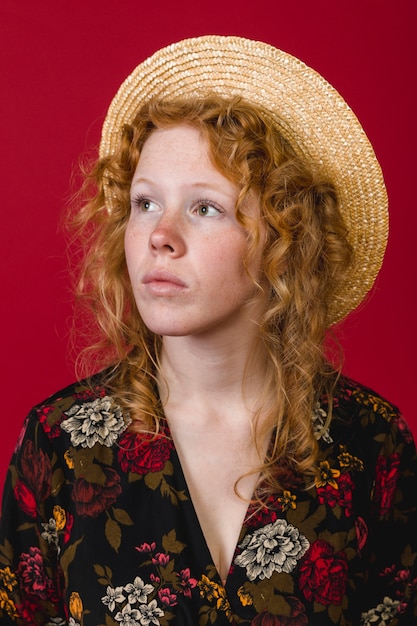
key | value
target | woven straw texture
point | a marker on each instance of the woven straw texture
(309, 112)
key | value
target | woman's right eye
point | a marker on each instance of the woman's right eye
(144, 204)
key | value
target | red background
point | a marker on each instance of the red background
(61, 63)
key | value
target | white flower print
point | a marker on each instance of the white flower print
(318, 420)
(112, 596)
(150, 613)
(382, 614)
(58, 621)
(133, 593)
(50, 532)
(275, 547)
(100, 421)
(138, 591)
(128, 616)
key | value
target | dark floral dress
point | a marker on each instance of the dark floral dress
(98, 527)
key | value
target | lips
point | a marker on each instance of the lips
(161, 282)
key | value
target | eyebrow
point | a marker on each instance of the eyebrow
(218, 188)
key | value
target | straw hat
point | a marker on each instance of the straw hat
(309, 112)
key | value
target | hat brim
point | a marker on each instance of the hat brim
(310, 113)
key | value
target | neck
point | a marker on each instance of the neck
(217, 376)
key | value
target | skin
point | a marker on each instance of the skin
(184, 251)
(184, 246)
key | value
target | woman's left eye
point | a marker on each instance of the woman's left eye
(205, 209)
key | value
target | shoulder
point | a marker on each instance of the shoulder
(361, 413)
(353, 400)
(83, 410)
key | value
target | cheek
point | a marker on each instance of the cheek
(229, 265)
(128, 255)
(221, 256)
(244, 263)
(132, 247)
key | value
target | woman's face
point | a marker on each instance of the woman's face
(184, 246)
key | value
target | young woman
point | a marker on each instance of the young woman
(218, 469)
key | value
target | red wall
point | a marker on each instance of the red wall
(61, 63)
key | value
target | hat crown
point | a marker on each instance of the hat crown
(309, 112)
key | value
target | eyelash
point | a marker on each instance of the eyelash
(140, 199)
(205, 202)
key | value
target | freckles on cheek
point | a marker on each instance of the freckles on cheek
(131, 246)
(127, 257)
(126, 240)
(132, 272)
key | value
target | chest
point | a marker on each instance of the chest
(148, 552)
(220, 489)
(161, 532)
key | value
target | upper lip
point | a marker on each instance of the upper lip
(162, 276)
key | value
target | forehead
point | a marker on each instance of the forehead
(181, 139)
(177, 159)
(182, 154)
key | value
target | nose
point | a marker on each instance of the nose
(167, 237)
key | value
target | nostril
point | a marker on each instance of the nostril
(166, 238)
(164, 246)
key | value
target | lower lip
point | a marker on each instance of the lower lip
(164, 288)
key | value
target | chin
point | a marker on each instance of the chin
(167, 330)
(178, 330)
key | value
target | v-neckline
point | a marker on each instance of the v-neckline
(210, 560)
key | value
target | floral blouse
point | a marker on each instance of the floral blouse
(98, 528)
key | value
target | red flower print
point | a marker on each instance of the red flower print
(36, 470)
(341, 496)
(31, 573)
(387, 469)
(388, 571)
(155, 579)
(28, 610)
(297, 616)
(161, 559)
(288, 477)
(361, 533)
(186, 582)
(91, 498)
(404, 429)
(141, 453)
(323, 574)
(53, 430)
(68, 527)
(167, 597)
(90, 394)
(403, 575)
(261, 515)
(26, 499)
(146, 547)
